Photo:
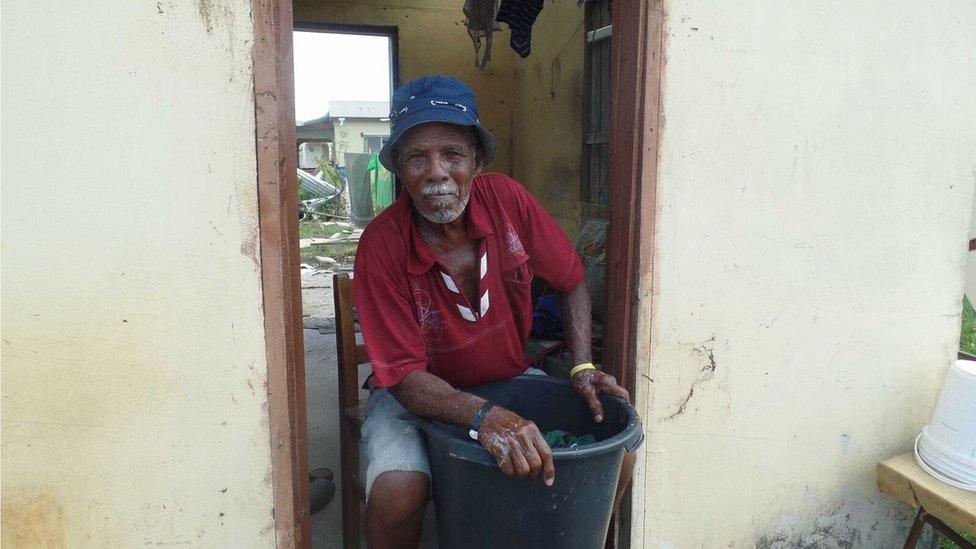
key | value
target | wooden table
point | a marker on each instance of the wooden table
(938, 503)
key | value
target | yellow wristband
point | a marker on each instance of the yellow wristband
(580, 368)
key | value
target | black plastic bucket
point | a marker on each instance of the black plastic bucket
(479, 506)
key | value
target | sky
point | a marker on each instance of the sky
(339, 67)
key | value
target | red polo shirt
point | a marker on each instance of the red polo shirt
(414, 318)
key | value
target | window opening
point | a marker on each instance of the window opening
(343, 82)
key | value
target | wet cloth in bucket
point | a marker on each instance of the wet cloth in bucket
(557, 438)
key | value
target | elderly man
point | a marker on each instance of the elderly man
(443, 281)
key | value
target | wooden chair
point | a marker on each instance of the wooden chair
(351, 355)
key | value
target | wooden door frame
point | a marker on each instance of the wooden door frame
(637, 59)
(632, 182)
(277, 158)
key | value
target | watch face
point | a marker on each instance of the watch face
(473, 434)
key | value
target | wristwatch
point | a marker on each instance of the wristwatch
(478, 418)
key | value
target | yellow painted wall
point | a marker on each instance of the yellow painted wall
(133, 358)
(434, 40)
(814, 192)
(547, 131)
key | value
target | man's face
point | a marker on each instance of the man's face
(436, 164)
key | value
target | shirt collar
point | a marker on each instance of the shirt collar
(419, 257)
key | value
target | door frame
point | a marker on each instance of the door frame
(634, 129)
(637, 59)
(277, 158)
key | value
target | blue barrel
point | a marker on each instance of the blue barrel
(479, 506)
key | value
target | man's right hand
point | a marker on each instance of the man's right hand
(517, 445)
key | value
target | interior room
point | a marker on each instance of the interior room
(550, 113)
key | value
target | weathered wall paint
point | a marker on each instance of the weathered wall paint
(970, 286)
(434, 40)
(816, 180)
(548, 131)
(133, 381)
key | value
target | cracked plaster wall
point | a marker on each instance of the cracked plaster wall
(815, 189)
(133, 377)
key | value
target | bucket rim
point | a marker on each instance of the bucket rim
(946, 467)
(938, 475)
(630, 436)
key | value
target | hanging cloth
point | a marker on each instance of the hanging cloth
(360, 190)
(382, 183)
(481, 25)
(520, 16)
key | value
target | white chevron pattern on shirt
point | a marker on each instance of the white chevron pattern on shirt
(484, 303)
(450, 283)
(466, 312)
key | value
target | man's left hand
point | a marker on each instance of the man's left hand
(590, 384)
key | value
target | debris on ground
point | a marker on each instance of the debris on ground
(326, 248)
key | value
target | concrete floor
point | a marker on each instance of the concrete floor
(321, 381)
(323, 430)
(322, 401)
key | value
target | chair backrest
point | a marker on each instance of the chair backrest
(351, 354)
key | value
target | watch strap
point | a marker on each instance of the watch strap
(478, 418)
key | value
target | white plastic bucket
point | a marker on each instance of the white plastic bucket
(953, 423)
(946, 448)
(943, 461)
(931, 445)
(930, 470)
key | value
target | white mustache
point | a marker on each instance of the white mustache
(439, 188)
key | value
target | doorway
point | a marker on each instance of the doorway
(630, 185)
(344, 76)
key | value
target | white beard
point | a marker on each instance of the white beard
(446, 215)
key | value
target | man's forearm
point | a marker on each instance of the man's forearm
(574, 310)
(429, 396)
(514, 442)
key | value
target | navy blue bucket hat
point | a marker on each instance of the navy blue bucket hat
(433, 99)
